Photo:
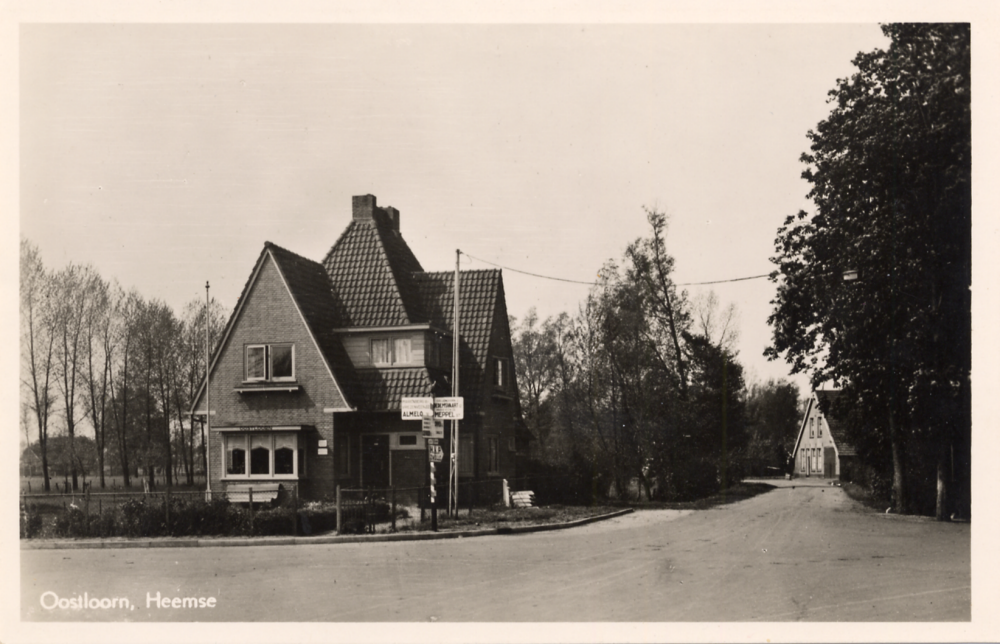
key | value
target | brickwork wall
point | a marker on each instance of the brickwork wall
(269, 316)
(499, 419)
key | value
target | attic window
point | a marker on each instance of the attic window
(501, 373)
(270, 362)
(391, 351)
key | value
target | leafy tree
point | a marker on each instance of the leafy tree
(773, 417)
(535, 365)
(890, 170)
(716, 414)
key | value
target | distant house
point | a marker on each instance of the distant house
(821, 449)
(307, 379)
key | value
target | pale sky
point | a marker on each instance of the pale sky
(166, 155)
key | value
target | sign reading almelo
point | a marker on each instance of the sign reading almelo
(416, 408)
(421, 407)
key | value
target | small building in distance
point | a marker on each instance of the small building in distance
(821, 448)
(307, 379)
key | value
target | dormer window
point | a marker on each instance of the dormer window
(391, 351)
(270, 362)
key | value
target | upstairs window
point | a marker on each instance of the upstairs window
(270, 362)
(391, 351)
(501, 373)
(819, 427)
(380, 352)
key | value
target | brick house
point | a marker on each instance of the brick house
(307, 378)
(821, 448)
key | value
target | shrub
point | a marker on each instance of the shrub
(31, 521)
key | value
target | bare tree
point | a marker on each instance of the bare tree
(101, 342)
(37, 345)
(74, 287)
(721, 328)
(126, 322)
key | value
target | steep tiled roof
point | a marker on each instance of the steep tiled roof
(371, 272)
(307, 280)
(381, 389)
(827, 398)
(479, 291)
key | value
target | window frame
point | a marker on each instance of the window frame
(501, 374)
(268, 362)
(234, 439)
(392, 351)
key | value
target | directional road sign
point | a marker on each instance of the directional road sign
(417, 407)
(449, 408)
(432, 428)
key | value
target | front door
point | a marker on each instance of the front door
(375, 460)
(829, 463)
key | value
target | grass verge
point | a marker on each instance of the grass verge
(500, 517)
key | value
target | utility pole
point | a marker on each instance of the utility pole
(208, 408)
(453, 443)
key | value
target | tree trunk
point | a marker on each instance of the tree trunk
(899, 497)
(941, 510)
(45, 464)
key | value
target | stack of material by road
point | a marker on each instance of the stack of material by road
(522, 499)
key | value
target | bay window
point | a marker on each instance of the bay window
(277, 455)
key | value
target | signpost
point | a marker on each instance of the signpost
(432, 412)
(432, 428)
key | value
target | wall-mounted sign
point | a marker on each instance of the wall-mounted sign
(322, 442)
(323, 451)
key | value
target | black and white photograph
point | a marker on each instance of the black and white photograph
(579, 322)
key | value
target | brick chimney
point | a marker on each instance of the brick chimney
(363, 207)
(393, 215)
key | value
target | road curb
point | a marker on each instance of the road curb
(231, 542)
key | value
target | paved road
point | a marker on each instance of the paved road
(807, 553)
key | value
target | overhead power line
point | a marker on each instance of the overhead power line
(562, 279)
